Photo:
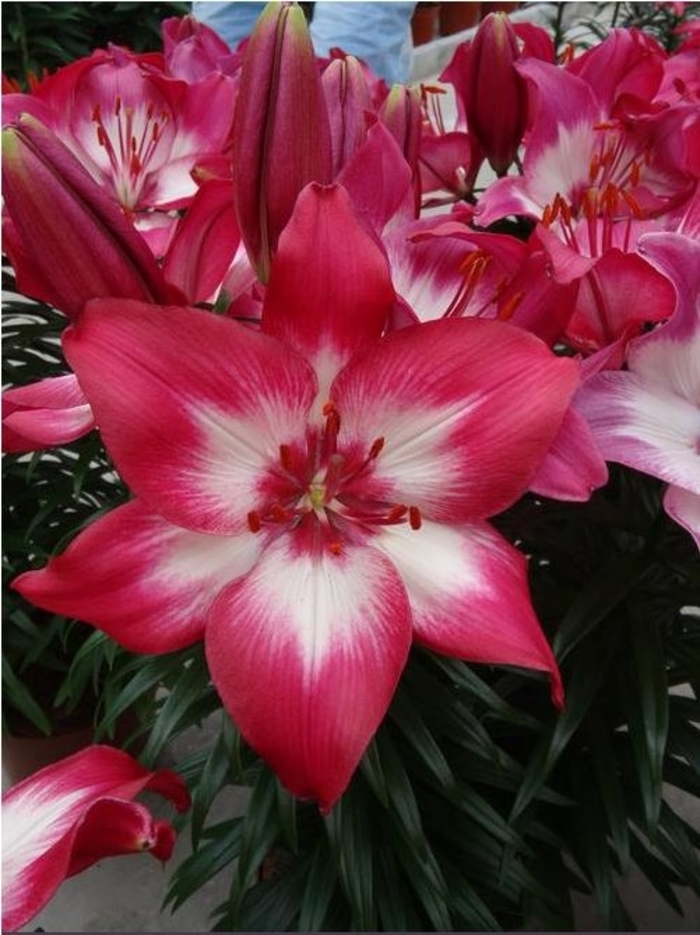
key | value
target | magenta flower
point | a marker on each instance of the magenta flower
(43, 414)
(313, 497)
(648, 416)
(63, 819)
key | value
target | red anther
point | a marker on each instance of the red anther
(547, 215)
(635, 172)
(286, 457)
(117, 106)
(135, 164)
(156, 132)
(254, 522)
(396, 513)
(376, 447)
(635, 207)
(150, 110)
(507, 310)
(335, 548)
(97, 113)
(567, 54)
(332, 418)
(279, 514)
(594, 167)
(414, 517)
(101, 136)
(565, 212)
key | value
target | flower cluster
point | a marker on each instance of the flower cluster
(318, 388)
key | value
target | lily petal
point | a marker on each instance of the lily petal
(145, 582)
(443, 396)
(644, 425)
(191, 406)
(306, 652)
(40, 415)
(330, 288)
(684, 507)
(41, 816)
(467, 587)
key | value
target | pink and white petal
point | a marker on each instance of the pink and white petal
(445, 398)
(192, 407)
(573, 467)
(145, 582)
(643, 425)
(306, 653)
(468, 591)
(330, 288)
(684, 507)
(46, 413)
(111, 827)
(39, 816)
(671, 354)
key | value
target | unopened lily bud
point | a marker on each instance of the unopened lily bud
(495, 95)
(281, 137)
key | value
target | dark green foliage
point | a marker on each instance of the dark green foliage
(40, 37)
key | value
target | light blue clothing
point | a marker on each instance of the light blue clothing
(377, 31)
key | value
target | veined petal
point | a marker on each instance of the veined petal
(46, 413)
(40, 817)
(573, 467)
(306, 652)
(330, 288)
(644, 425)
(684, 507)
(445, 398)
(111, 827)
(467, 587)
(192, 407)
(145, 582)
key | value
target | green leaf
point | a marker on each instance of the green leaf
(646, 703)
(220, 850)
(18, 695)
(407, 718)
(211, 779)
(592, 666)
(351, 836)
(260, 832)
(287, 817)
(321, 885)
(595, 602)
(658, 873)
(610, 789)
(186, 695)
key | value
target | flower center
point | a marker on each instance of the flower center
(130, 137)
(326, 487)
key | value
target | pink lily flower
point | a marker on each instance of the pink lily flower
(137, 131)
(648, 416)
(314, 496)
(67, 239)
(43, 414)
(63, 819)
(582, 157)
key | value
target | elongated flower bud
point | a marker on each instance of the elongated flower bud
(401, 115)
(348, 99)
(67, 239)
(495, 96)
(281, 136)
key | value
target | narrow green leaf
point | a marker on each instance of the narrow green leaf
(321, 885)
(595, 602)
(210, 782)
(646, 703)
(219, 851)
(658, 873)
(287, 817)
(407, 718)
(19, 697)
(351, 835)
